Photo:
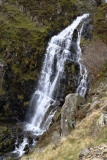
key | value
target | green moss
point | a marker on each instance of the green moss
(2, 92)
(20, 97)
(100, 22)
(85, 42)
(72, 69)
(7, 142)
(25, 28)
(5, 107)
(26, 103)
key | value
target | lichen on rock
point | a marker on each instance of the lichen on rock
(67, 113)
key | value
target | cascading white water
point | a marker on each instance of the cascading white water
(58, 51)
(82, 87)
(20, 149)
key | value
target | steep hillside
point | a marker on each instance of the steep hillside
(89, 138)
(25, 29)
(100, 22)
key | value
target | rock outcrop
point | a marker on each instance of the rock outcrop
(94, 153)
(72, 101)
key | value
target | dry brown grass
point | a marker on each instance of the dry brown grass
(94, 56)
(70, 147)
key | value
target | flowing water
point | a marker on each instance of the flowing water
(82, 87)
(20, 150)
(57, 52)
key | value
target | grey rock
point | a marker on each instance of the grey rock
(102, 119)
(85, 152)
(105, 118)
(67, 122)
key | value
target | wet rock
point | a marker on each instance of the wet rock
(75, 35)
(88, 28)
(8, 137)
(14, 103)
(67, 120)
(2, 158)
(72, 73)
(26, 149)
(58, 103)
(68, 82)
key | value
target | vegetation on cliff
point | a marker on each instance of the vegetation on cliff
(89, 132)
(100, 22)
(25, 28)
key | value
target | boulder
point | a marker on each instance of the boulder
(72, 101)
(84, 152)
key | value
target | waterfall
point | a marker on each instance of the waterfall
(82, 87)
(20, 149)
(57, 52)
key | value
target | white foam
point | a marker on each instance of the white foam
(20, 149)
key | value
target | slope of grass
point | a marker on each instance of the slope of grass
(87, 134)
